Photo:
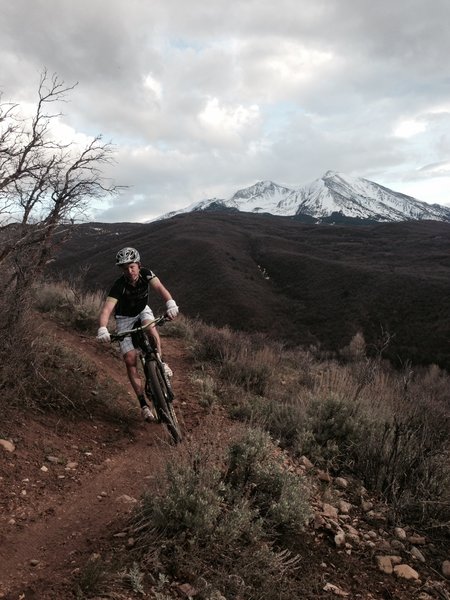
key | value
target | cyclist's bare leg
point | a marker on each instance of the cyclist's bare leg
(152, 330)
(130, 359)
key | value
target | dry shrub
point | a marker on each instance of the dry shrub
(181, 327)
(69, 304)
(390, 427)
(224, 517)
(42, 375)
(252, 370)
(206, 389)
(356, 350)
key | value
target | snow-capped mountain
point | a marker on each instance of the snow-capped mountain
(334, 195)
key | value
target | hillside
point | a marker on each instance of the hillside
(70, 487)
(303, 284)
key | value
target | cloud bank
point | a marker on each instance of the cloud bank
(201, 99)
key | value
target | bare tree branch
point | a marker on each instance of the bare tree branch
(43, 180)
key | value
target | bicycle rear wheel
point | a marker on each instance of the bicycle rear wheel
(162, 400)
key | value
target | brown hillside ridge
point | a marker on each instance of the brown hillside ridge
(68, 488)
(304, 284)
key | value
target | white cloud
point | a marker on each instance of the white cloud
(227, 122)
(409, 128)
(203, 98)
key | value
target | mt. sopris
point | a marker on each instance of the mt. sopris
(333, 198)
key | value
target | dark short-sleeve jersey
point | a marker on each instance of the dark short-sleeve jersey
(131, 299)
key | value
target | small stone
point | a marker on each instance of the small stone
(397, 545)
(417, 540)
(12, 522)
(366, 505)
(126, 499)
(305, 462)
(384, 564)
(121, 534)
(344, 507)
(72, 465)
(446, 569)
(329, 511)
(341, 482)
(417, 554)
(339, 539)
(131, 542)
(52, 459)
(34, 562)
(375, 516)
(337, 591)
(103, 494)
(44, 469)
(351, 529)
(406, 572)
(8, 446)
(319, 521)
(400, 533)
(324, 476)
(187, 591)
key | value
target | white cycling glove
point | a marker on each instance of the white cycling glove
(103, 335)
(171, 309)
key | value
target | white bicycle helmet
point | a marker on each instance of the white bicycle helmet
(127, 256)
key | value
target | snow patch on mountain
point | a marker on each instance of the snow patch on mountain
(334, 193)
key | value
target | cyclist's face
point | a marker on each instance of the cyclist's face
(131, 271)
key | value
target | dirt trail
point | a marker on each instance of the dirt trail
(51, 521)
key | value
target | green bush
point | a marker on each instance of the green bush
(225, 519)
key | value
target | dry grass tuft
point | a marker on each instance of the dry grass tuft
(388, 426)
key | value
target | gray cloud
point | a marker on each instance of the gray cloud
(203, 98)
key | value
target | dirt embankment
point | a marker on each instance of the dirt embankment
(69, 485)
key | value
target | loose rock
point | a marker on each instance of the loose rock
(400, 533)
(341, 482)
(126, 499)
(417, 554)
(344, 507)
(406, 572)
(446, 568)
(303, 460)
(384, 563)
(329, 511)
(8, 446)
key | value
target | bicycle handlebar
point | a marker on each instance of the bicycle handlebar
(117, 337)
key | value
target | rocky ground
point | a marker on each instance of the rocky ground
(68, 488)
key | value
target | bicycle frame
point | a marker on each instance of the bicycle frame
(157, 385)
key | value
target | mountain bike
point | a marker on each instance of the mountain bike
(157, 385)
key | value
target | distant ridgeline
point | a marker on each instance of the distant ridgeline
(301, 283)
(333, 199)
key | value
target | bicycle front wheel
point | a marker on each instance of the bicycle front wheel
(162, 400)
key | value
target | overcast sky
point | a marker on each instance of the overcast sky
(204, 98)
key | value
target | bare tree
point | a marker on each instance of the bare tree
(44, 183)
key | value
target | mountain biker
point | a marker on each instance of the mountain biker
(128, 299)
